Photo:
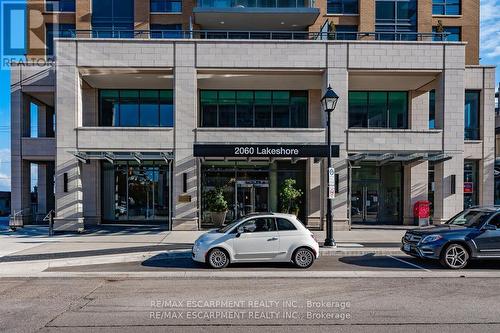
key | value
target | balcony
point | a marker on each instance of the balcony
(252, 14)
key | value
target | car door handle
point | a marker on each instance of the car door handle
(273, 239)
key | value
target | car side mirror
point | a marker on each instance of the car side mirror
(489, 227)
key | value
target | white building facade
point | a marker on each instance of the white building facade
(144, 128)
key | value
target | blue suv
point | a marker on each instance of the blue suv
(471, 234)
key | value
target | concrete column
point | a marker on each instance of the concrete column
(91, 184)
(450, 116)
(419, 112)
(45, 189)
(83, 15)
(68, 175)
(20, 169)
(315, 209)
(487, 121)
(424, 16)
(337, 76)
(366, 17)
(42, 120)
(141, 15)
(185, 211)
(415, 188)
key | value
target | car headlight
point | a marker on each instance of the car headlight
(431, 238)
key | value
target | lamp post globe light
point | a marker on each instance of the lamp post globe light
(329, 102)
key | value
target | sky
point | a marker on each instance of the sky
(489, 54)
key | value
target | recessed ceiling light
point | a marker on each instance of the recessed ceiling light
(221, 22)
(282, 22)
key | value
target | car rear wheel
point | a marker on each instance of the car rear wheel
(303, 257)
(454, 256)
(217, 258)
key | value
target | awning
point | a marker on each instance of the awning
(405, 158)
(110, 156)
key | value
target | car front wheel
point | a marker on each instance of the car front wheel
(217, 258)
(303, 257)
(455, 256)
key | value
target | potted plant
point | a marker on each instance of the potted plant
(217, 206)
(290, 197)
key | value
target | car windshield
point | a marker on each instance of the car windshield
(470, 218)
(229, 226)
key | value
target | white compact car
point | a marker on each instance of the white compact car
(261, 237)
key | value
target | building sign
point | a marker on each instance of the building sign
(250, 150)
(468, 187)
(331, 183)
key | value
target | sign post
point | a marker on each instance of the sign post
(331, 183)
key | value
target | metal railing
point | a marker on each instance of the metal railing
(221, 4)
(260, 35)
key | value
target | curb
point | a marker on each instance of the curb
(41, 265)
(303, 274)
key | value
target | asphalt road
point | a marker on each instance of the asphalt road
(327, 263)
(249, 305)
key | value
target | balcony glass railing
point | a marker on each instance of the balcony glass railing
(222, 4)
(256, 35)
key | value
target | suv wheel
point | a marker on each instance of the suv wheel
(303, 257)
(454, 256)
(217, 258)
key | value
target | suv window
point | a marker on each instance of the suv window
(261, 224)
(471, 218)
(284, 224)
(495, 221)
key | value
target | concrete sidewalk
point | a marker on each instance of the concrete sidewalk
(31, 250)
(33, 241)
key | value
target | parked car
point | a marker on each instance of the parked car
(473, 234)
(260, 237)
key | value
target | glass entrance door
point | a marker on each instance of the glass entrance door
(136, 193)
(251, 196)
(376, 193)
(365, 202)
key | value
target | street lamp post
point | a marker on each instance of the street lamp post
(328, 102)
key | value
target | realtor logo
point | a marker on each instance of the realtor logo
(20, 29)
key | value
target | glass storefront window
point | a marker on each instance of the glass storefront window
(471, 115)
(247, 108)
(133, 192)
(136, 108)
(60, 5)
(376, 194)
(471, 183)
(250, 187)
(378, 109)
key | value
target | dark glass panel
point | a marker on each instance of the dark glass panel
(109, 108)
(432, 109)
(471, 115)
(377, 110)
(129, 108)
(244, 108)
(398, 109)
(298, 109)
(149, 108)
(263, 108)
(281, 111)
(227, 114)
(358, 109)
(166, 108)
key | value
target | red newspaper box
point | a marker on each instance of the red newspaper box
(421, 212)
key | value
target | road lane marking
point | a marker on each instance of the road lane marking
(409, 263)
